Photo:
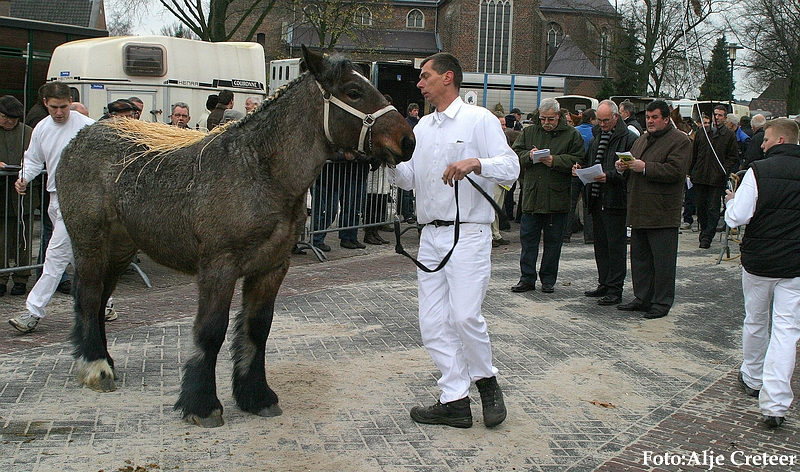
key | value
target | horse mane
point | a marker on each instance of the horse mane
(156, 137)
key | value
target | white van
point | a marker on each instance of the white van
(160, 70)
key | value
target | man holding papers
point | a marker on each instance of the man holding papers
(606, 197)
(547, 150)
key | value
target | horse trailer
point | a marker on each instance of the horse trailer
(510, 90)
(161, 71)
(577, 103)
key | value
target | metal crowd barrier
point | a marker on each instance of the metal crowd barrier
(348, 197)
(21, 221)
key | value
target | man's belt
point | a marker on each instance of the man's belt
(438, 223)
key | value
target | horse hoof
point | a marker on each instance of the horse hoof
(273, 410)
(212, 421)
(97, 375)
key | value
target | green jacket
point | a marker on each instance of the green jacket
(547, 189)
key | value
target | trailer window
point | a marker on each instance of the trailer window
(145, 60)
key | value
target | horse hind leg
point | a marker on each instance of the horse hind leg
(250, 389)
(198, 400)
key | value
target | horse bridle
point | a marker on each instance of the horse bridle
(368, 119)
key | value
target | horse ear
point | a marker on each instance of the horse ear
(314, 62)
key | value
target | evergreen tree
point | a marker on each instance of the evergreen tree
(718, 74)
(626, 59)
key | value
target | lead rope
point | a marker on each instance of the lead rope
(398, 248)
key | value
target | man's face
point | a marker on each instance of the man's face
(433, 85)
(655, 122)
(771, 138)
(138, 114)
(720, 117)
(8, 123)
(502, 122)
(127, 114)
(249, 105)
(58, 108)
(548, 119)
(180, 117)
(606, 119)
(414, 112)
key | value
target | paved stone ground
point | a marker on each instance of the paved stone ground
(587, 387)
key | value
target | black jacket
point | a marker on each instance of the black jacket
(754, 152)
(613, 193)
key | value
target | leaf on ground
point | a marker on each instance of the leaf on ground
(603, 404)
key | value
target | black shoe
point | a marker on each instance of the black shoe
(609, 300)
(747, 390)
(523, 287)
(635, 305)
(566, 240)
(351, 244)
(456, 414)
(705, 244)
(655, 313)
(3, 289)
(65, 287)
(494, 408)
(372, 238)
(19, 288)
(773, 421)
(600, 291)
(323, 247)
(548, 288)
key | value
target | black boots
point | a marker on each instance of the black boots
(456, 414)
(494, 408)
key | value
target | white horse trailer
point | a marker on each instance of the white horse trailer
(161, 71)
(510, 90)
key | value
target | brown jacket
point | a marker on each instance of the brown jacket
(655, 196)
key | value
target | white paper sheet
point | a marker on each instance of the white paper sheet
(587, 175)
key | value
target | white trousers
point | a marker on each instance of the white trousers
(769, 358)
(453, 329)
(56, 260)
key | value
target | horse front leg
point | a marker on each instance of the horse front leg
(198, 398)
(95, 368)
(250, 389)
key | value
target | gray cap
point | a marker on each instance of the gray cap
(11, 107)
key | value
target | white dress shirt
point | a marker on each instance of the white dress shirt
(459, 132)
(740, 209)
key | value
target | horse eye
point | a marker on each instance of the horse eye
(353, 94)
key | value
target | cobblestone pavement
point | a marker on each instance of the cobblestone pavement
(587, 387)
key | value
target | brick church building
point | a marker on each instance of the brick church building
(569, 38)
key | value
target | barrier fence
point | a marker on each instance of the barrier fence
(21, 221)
(348, 197)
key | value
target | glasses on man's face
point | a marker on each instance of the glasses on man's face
(604, 121)
(547, 118)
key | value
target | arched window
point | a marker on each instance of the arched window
(415, 19)
(603, 60)
(555, 34)
(363, 16)
(494, 37)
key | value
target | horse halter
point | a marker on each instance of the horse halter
(367, 118)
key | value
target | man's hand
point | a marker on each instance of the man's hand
(548, 161)
(458, 170)
(20, 185)
(574, 168)
(600, 178)
(636, 165)
(729, 195)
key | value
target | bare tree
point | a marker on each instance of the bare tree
(333, 19)
(770, 32)
(177, 30)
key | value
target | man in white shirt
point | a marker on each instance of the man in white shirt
(456, 140)
(768, 202)
(49, 138)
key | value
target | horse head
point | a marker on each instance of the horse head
(357, 117)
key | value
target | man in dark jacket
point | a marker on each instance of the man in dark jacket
(768, 202)
(714, 156)
(655, 195)
(545, 192)
(606, 198)
(225, 103)
(754, 151)
(627, 111)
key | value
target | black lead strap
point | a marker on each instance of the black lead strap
(398, 248)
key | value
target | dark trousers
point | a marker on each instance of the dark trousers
(610, 248)
(406, 203)
(708, 200)
(576, 190)
(341, 191)
(531, 228)
(654, 256)
(508, 202)
(689, 208)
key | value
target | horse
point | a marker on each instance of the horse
(220, 206)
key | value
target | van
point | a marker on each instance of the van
(577, 104)
(161, 71)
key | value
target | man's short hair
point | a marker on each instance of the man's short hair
(549, 104)
(628, 106)
(758, 121)
(723, 108)
(57, 90)
(412, 106)
(442, 62)
(660, 105)
(179, 104)
(612, 106)
(254, 99)
(588, 115)
(225, 97)
(786, 128)
(211, 101)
